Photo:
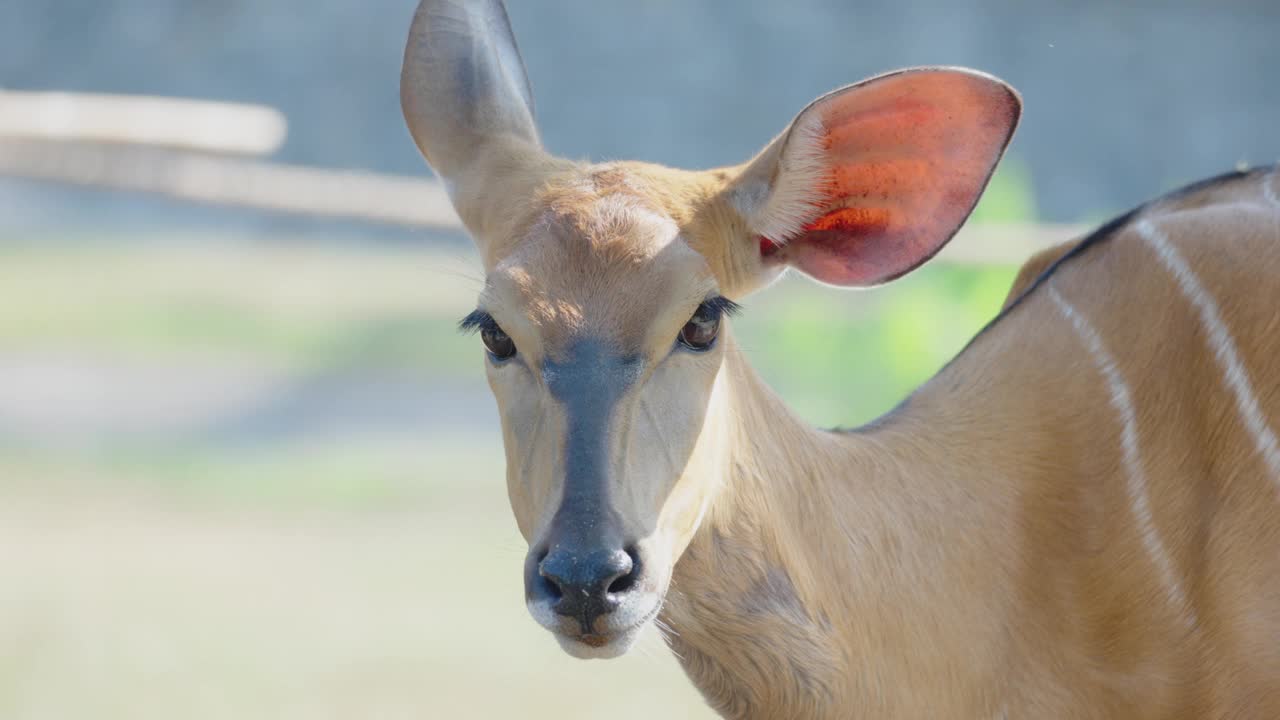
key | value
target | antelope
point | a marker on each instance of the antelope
(1078, 517)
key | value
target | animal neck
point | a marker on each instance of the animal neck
(835, 564)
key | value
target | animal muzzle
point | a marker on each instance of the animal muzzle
(581, 582)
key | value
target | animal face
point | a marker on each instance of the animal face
(603, 342)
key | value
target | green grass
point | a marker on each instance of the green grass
(299, 307)
(1009, 196)
(845, 358)
(351, 476)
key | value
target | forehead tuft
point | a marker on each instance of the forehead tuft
(603, 207)
(601, 259)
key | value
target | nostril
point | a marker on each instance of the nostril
(630, 573)
(550, 585)
(622, 584)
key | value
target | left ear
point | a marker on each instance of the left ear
(871, 180)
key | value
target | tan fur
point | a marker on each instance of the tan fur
(973, 554)
(1034, 268)
(1079, 517)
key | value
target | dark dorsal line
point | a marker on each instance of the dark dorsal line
(1090, 241)
(1109, 230)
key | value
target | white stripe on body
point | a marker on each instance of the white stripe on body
(1122, 401)
(1224, 348)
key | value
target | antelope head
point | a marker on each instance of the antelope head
(607, 287)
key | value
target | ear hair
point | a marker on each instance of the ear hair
(778, 199)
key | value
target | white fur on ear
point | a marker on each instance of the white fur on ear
(778, 199)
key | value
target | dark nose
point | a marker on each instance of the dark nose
(586, 585)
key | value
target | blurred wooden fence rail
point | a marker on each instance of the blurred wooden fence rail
(203, 125)
(237, 182)
(372, 197)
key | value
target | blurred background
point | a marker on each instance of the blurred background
(248, 469)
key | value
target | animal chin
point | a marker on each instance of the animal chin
(599, 647)
(596, 646)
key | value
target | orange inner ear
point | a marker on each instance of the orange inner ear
(855, 220)
(908, 155)
(840, 231)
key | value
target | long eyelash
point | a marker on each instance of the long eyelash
(721, 305)
(475, 322)
(479, 320)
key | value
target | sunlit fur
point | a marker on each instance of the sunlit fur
(975, 550)
(977, 553)
(558, 285)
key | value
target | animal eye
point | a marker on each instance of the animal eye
(498, 343)
(701, 330)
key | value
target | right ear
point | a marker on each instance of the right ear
(466, 100)
(873, 179)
